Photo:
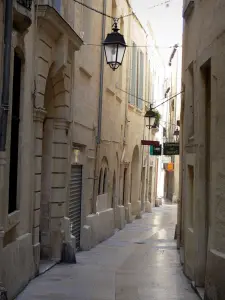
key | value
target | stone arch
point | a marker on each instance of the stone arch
(134, 196)
(103, 176)
(52, 154)
(113, 202)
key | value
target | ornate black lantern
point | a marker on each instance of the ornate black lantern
(151, 118)
(115, 47)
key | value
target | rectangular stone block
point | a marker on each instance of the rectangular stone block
(37, 185)
(38, 147)
(37, 200)
(59, 180)
(39, 129)
(58, 195)
(36, 235)
(55, 224)
(60, 135)
(63, 111)
(38, 162)
(57, 210)
(60, 151)
(40, 99)
(62, 99)
(59, 87)
(44, 49)
(60, 165)
(36, 218)
(41, 84)
(43, 67)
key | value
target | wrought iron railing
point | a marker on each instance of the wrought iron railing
(25, 3)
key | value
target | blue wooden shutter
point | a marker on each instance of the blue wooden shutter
(133, 74)
(141, 80)
(57, 5)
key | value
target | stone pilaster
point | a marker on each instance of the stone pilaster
(39, 116)
(60, 182)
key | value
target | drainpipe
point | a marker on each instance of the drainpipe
(99, 129)
(8, 25)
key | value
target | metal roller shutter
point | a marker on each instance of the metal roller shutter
(75, 202)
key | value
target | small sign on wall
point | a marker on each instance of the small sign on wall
(76, 156)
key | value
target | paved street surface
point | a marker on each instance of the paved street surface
(138, 263)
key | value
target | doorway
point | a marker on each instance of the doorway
(75, 202)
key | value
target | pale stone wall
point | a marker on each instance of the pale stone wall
(203, 217)
(45, 96)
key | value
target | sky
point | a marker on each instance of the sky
(166, 21)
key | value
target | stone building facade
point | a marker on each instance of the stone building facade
(73, 168)
(202, 219)
(35, 164)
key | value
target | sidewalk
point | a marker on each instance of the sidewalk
(138, 263)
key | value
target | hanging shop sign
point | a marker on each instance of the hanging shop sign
(171, 149)
(149, 143)
(170, 167)
(157, 150)
(166, 159)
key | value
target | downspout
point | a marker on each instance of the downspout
(8, 26)
(99, 129)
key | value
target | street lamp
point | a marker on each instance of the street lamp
(151, 117)
(114, 46)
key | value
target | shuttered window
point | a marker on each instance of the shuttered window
(140, 80)
(133, 81)
(75, 202)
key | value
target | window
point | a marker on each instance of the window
(100, 182)
(14, 146)
(133, 80)
(140, 81)
(105, 179)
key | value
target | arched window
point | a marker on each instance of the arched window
(100, 182)
(105, 179)
(15, 123)
(113, 190)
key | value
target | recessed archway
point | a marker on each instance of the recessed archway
(135, 180)
(53, 166)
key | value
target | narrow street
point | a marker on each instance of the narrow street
(138, 263)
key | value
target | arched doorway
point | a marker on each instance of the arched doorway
(54, 167)
(135, 182)
(124, 186)
(113, 202)
(46, 170)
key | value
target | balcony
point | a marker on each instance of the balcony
(51, 18)
(22, 17)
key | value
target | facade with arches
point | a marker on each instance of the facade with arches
(35, 166)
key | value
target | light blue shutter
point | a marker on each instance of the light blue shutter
(57, 5)
(133, 74)
(141, 80)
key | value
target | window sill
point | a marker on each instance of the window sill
(139, 111)
(131, 106)
(13, 220)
